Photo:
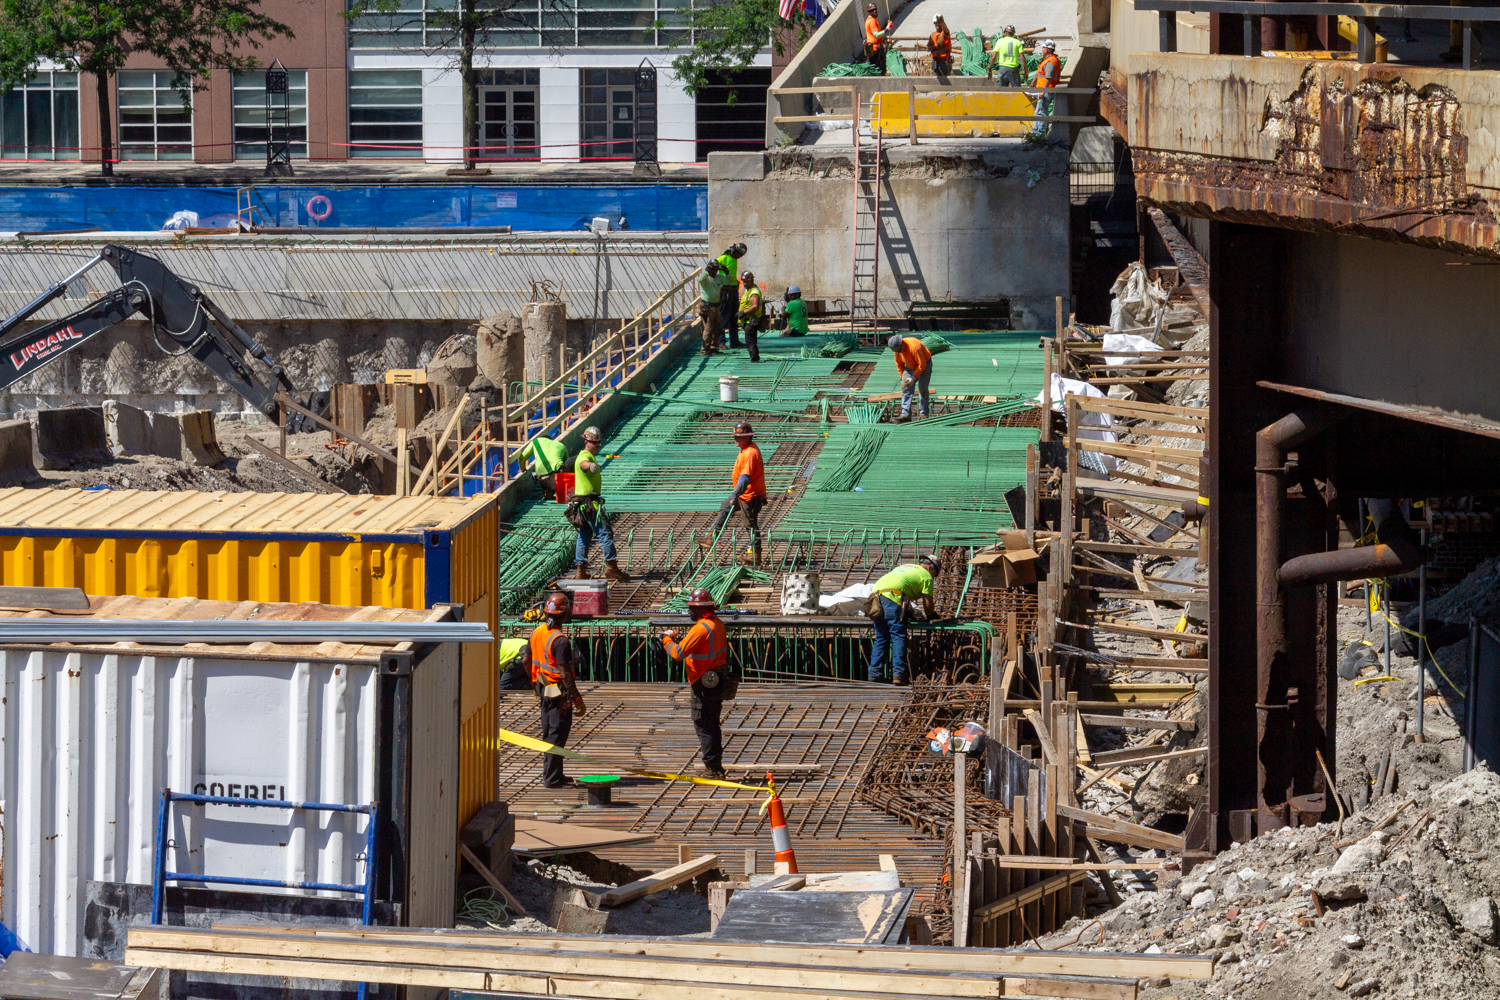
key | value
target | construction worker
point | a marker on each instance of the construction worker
(914, 365)
(1008, 56)
(729, 293)
(749, 493)
(588, 482)
(515, 664)
(549, 456)
(709, 291)
(902, 584)
(796, 313)
(940, 46)
(752, 313)
(876, 37)
(555, 683)
(704, 653)
(1048, 75)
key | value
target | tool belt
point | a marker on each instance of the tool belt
(575, 510)
(717, 682)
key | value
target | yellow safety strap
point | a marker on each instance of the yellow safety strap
(542, 746)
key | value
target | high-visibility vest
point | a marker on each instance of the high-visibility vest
(701, 661)
(872, 31)
(1044, 77)
(544, 669)
(942, 45)
(1008, 52)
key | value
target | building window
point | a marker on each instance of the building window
(250, 114)
(609, 114)
(385, 112)
(531, 24)
(731, 111)
(156, 121)
(39, 120)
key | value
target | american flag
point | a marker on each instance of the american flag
(787, 8)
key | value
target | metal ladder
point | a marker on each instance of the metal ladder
(864, 289)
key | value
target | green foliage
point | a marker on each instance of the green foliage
(730, 33)
(191, 36)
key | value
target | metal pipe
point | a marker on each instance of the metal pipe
(1421, 736)
(1399, 551)
(1272, 648)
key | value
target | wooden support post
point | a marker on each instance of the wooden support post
(960, 853)
(403, 463)
(1046, 434)
(504, 432)
(1033, 485)
(1033, 912)
(1018, 877)
(1063, 367)
(749, 861)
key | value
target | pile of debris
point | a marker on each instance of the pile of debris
(1398, 899)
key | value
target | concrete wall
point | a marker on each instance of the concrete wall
(966, 222)
(1391, 322)
(1134, 31)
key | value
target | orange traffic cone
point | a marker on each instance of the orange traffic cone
(781, 840)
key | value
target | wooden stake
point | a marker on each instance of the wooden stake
(960, 853)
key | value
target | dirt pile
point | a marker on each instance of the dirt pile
(1406, 910)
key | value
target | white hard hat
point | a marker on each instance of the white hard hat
(936, 18)
(1050, 44)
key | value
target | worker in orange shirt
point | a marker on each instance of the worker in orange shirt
(876, 37)
(914, 365)
(1048, 75)
(940, 45)
(555, 683)
(704, 653)
(749, 493)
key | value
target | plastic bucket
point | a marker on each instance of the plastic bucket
(564, 482)
(729, 388)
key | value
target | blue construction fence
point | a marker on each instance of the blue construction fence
(544, 208)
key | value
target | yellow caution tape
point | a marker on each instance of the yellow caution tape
(542, 746)
(1382, 677)
(1182, 624)
(1203, 501)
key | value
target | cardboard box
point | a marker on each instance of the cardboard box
(1012, 566)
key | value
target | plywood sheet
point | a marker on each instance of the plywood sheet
(538, 839)
(808, 917)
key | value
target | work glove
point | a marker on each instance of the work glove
(908, 380)
(578, 705)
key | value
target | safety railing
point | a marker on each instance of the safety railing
(875, 108)
(479, 462)
(160, 876)
(1365, 17)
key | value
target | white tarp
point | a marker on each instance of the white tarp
(1092, 426)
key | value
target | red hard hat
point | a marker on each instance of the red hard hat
(557, 604)
(701, 598)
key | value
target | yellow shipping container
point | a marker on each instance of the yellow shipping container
(392, 552)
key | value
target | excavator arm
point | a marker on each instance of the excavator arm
(179, 312)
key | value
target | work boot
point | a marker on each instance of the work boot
(582, 572)
(901, 682)
(902, 420)
(612, 571)
(709, 771)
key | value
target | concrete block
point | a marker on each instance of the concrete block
(16, 464)
(737, 166)
(68, 436)
(187, 437)
(127, 429)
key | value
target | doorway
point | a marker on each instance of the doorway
(508, 115)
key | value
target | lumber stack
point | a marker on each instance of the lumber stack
(635, 967)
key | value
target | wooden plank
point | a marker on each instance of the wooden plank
(534, 837)
(286, 463)
(1030, 894)
(1138, 550)
(489, 876)
(977, 961)
(1121, 832)
(1163, 412)
(1143, 755)
(1065, 865)
(368, 972)
(1156, 494)
(814, 917)
(1127, 693)
(1133, 451)
(813, 90)
(1049, 752)
(1133, 722)
(1150, 633)
(287, 401)
(658, 881)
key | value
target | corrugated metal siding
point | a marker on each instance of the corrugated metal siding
(382, 276)
(109, 511)
(475, 569)
(432, 855)
(87, 739)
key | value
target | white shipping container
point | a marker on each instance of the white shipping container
(90, 735)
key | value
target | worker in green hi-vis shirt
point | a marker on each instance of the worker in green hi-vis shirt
(549, 456)
(895, 590)
(588, 488)
(796, 313)
(515, 664)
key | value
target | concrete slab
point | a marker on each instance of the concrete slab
(69, 436)
(16, 462)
